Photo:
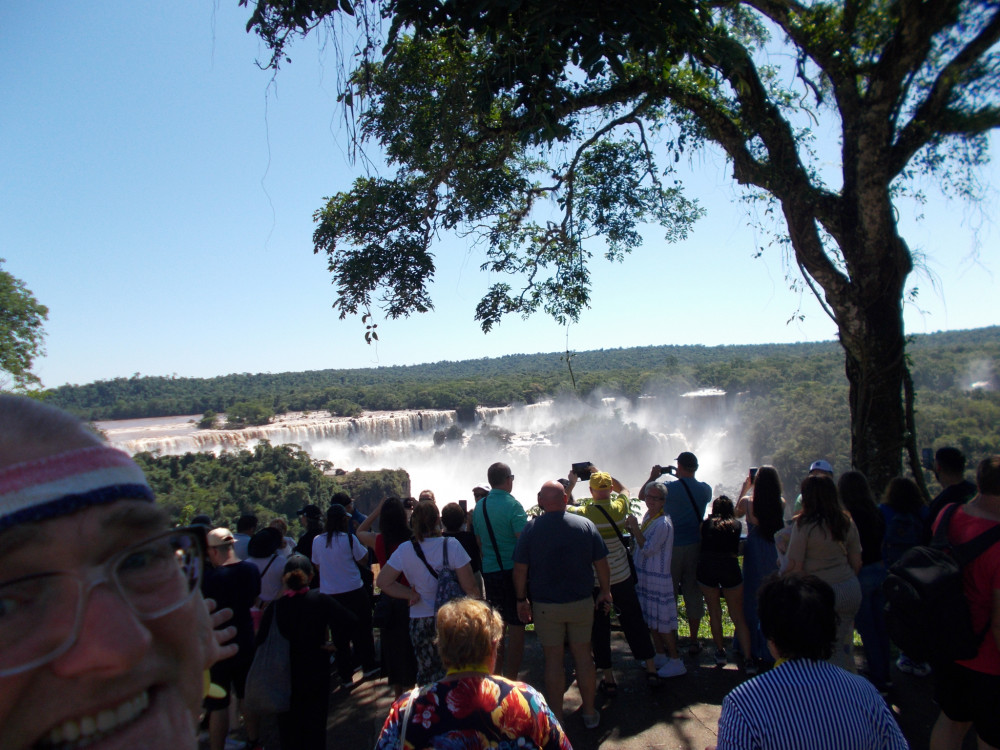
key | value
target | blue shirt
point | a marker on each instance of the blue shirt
(811, 705)
(687, 523)
(560, 549)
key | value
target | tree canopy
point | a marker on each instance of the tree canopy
(487, 112)
(21, 334)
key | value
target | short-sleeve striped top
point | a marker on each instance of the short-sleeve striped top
(811, 705)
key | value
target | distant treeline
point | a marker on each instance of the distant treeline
(940, 362)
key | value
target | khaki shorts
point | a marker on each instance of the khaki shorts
(557, 623)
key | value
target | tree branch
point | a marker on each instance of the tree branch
(908, 48)
(933, 116)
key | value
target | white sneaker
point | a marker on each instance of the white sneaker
(591, 722)
(660, 659)
(673, 668)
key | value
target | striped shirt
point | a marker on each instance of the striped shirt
(617, 506)
(811, 705)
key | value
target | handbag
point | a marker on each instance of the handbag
(269, 681)
(628, 552)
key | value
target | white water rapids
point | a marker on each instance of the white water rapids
(544, 440)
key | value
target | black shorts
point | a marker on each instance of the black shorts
(500, 594)
(719, 572)
(966, 695)
(231, 675)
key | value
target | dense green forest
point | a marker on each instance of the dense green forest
(269, 481)
(790, 403)
(940, 361)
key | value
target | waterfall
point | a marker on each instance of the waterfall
(539, 441)
(288, 428)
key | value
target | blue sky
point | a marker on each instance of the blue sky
(158, 196)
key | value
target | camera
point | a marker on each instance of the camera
(582, 470)
(464, 505)
(753, 473)
(409, 502)
(672, 470)
(927, 458)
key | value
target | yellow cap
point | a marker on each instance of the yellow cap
(600, 480)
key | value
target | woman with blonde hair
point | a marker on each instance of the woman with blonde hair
(421, 562)
(471, 707)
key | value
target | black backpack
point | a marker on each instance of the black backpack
(926, 611)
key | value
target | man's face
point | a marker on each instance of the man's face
(139, 680)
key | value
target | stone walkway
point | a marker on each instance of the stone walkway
(683, 714)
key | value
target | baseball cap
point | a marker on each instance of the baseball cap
(688, 460)
(480, 489)
(310, 511)
(601, 480)
(821, 465)
(219, 537)
(337, 511)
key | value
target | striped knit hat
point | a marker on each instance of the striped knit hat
(66, 482)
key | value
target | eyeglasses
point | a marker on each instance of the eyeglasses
(41, 614)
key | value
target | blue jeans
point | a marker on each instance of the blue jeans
(870, 623)
(760, 559)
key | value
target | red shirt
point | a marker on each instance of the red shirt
(383, 553)
(981, 578)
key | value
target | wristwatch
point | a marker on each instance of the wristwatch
(522, 599)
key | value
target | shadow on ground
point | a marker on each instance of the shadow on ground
(682, 714)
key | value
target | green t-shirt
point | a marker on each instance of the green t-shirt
(507, 517)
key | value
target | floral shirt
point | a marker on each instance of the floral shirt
(481, 711)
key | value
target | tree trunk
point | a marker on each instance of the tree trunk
(875, 370)
(870, 320)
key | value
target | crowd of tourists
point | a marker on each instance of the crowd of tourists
(114, 632)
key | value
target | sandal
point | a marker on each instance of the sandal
(654, 680)
(694, 648)
(610, 689)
